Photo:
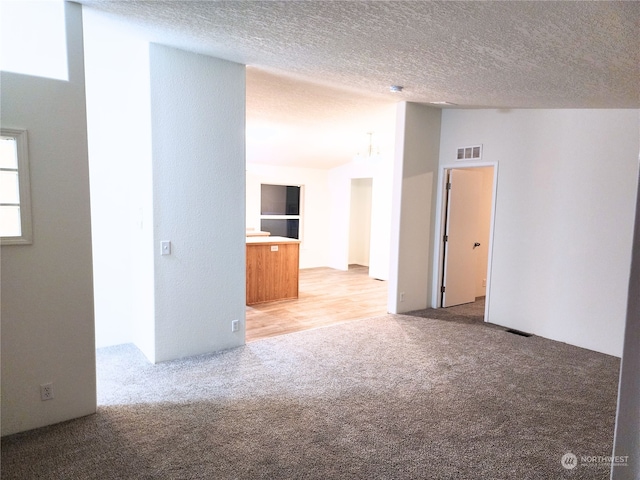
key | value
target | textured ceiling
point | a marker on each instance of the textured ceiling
(292, 122)
(516, 54)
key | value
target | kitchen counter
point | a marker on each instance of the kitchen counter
(272, 269)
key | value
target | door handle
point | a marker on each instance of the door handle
(476, 245)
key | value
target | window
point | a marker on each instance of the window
(15, 205)
(280, 210)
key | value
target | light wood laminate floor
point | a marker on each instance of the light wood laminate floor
(326, 297)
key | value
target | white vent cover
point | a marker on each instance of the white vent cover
(473, 152)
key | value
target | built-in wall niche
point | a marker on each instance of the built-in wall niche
(280, 210)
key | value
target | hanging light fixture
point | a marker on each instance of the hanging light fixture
(370, 150)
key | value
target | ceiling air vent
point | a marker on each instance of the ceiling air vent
(474, 152)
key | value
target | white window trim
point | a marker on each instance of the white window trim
(26, 237)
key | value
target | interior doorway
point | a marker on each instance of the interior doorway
(465, 235)
(326, 294)
(360, 221)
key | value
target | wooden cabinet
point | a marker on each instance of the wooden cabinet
(272, 269)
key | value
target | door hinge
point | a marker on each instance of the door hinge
(449, 186)
(445, 238)
(442, 289)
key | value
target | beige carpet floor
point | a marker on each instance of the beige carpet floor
(394, 397)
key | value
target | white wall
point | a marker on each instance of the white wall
(380, 170)
(315, 231)
(627, 441)
(119, 129)
(33, 40)
(360, 221)
(380, 242)
(413, 207)
(46, 287)
(326, 204)
(564, 217)
(191, 193)
(197, 114)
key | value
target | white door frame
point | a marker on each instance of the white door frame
(438, 251)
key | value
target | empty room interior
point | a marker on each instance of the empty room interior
(275, 239)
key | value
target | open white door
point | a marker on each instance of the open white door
(461, 228)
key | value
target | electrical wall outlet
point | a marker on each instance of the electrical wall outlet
(46, 391)
(235, 325)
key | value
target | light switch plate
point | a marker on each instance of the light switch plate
(165, 247)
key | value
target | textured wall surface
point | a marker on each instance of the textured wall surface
(197, 122)
(119, 128)
(627, 441)
(563, 220)
(47, 287)
(380, 170)
(413, 207)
